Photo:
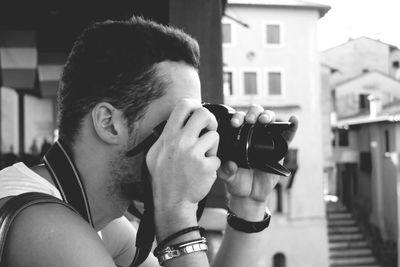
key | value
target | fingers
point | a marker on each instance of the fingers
(213, 163)
(266, 117)
(289, 134)
(208, 144)
(238, 119)
(227, 170)
(180, 114)
(201, 119)
(254, 114)
(190, 117)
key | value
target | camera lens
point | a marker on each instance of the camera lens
(251, 146)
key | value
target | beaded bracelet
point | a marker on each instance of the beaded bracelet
(164, 243)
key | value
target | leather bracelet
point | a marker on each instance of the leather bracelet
(164, 243)
(244, 226)
(181, 249)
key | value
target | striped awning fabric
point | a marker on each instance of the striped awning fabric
(49, 72)
(23, 67)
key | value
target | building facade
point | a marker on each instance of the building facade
(270, 58)
(360, 55)
(353, 96)
(369, 176)
(365, 90)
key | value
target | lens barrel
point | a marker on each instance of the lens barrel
(251, 146)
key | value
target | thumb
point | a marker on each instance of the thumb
(289, 134)
(227, 171)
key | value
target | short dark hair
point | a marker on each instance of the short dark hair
(115, 62)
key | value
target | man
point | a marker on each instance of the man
(120, 81)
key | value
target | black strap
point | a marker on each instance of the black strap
(66, 177)
(58, 161)
(146, 232)
(15, 205)
(60, 165)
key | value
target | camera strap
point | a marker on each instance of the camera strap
(146, 231)
(66, 178)
(65, 175)
(59, 163)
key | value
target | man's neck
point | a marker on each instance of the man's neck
(95, 175)
(103, 207)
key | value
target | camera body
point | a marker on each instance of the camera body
(251, 146)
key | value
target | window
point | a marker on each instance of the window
(279, 260)
(343, 138)
(273, 34)
(226, 33)
(228, 83)
(387, 141)
(274, 83)
(278, 190)
(366, 162)
(250, 82)
(363, 102)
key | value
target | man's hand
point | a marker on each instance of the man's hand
(249, 188)
(183, 163)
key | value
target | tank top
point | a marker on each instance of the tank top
(19, 178)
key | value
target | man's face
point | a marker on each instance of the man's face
(182, 82)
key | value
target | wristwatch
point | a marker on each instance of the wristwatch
(244, 226)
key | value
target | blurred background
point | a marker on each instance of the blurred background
(335, 64)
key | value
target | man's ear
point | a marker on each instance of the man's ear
(108, 122)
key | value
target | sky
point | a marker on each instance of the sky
(378, 19)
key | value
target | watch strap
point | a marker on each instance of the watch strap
(244, 226)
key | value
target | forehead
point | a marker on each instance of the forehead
(182, 82)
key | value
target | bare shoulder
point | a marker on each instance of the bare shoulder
(53, 235)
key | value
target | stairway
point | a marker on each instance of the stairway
(347, 244)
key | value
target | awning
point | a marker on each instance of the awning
(18, 59)
(24, 68)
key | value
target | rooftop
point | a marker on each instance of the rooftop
(389, 113)
(351, 40)
(322, 9)
(364, 74)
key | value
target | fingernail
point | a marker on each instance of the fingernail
(266, 117)
(251, 118)
(235, 121)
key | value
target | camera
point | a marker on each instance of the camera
(250, 146)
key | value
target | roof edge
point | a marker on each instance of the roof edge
(321, 8)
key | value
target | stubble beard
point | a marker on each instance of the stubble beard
(125, 183)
